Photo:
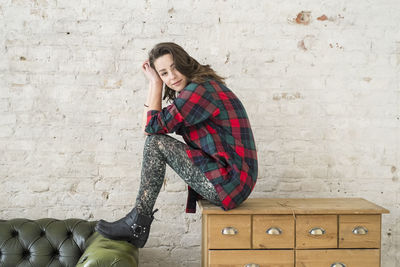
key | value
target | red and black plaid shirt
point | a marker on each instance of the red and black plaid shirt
(216, 129)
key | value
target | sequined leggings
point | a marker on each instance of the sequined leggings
(159, 150)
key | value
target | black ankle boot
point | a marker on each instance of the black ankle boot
(134, 228)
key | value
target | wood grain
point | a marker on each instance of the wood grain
(261, 223)
(349, 257)
(239, 258)
(349, 240)
(298, 206)
(242, 240)
(304, 223)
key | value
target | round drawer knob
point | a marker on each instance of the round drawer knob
(360, 230)
(229, 231)
(252, 265)
(338, 264)
(317, 231)
(274, 231)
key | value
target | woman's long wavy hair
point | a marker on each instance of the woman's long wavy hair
(185, 64)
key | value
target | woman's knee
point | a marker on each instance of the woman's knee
(165, 144)
(156, 140)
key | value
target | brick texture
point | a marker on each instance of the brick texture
(320, 81)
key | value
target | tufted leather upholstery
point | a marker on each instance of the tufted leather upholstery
(44, 242)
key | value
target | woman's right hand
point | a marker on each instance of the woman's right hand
(150, 73)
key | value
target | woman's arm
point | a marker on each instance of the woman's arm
(192, 106)
(154, 95)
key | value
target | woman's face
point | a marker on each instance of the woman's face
(165, 68)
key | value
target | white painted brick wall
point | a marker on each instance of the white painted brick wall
(323, 98)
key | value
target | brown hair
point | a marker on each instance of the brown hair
(185, 64)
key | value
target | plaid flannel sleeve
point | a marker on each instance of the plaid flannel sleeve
(189, 108)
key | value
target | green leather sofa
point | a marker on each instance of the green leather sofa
(60, 243)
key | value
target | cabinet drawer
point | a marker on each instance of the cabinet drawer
(359, 231)
(229, 231)
(273, 231)
(261, 258)
(316, 231)
(340, 257)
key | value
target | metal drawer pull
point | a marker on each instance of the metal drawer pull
(274, 231)
(338, 264)
(229, 231)
(317, 231)
(360, 230)
(252, 265)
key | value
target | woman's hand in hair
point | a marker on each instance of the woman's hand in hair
(150, 73)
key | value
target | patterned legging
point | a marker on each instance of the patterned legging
(159, 150)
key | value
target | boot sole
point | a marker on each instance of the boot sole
(133, 242)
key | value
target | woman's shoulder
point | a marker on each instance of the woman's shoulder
(209, 84)
(195, 90)
(191, 86)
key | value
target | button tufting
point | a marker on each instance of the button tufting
(25, 253)
(42, 233)
(14, 233)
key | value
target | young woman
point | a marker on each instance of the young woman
(218, 161)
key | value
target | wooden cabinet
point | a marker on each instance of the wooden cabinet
(235, 234)
(273, 231)
(314, 232)
(359, 231)
(338, 258)
(241, 258)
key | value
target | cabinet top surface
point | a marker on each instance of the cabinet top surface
(298, 206)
